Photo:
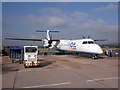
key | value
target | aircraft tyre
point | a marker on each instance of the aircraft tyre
(95, 56)
(12, 60)
(25, 66)
(45, 53)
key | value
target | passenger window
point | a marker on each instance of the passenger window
(85, 42)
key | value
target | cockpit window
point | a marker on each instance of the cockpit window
(90, 42)
(85, 42)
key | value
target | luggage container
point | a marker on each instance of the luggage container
(16, 54)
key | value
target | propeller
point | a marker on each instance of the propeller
(95, 39)
(50, 41)
(50, 37)
(83, 36)
(89, 36)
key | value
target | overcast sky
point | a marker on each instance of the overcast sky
(97, 19)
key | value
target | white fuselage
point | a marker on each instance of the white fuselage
(80, 45)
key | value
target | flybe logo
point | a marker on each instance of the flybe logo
(72, 45)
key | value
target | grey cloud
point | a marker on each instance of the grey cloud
(6, 23)
(97, 28)
(108, 7)
(76, 22)
(50, 10)
(70, 21)
(60, 21)
(94, 24)
(46, 21)
(79, 16)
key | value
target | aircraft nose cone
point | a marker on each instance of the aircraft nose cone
(98, 49)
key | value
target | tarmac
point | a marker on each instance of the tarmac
(62, 71)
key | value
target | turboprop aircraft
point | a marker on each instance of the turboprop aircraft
(85, 45)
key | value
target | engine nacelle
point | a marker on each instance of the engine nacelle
(47, 43)
(50, 42)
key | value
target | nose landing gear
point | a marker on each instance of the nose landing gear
(95, 56)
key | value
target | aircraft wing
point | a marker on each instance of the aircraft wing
(55, 40)
(100, 40)
(23, 39)
(27, 39)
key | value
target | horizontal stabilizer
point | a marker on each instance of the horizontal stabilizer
(46, 31)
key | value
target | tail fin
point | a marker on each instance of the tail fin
(48, 37)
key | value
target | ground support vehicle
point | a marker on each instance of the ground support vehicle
(30, 56)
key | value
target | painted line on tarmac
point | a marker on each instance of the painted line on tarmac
(44, 69)
(56, 84)
(102, 79)
(57, 69)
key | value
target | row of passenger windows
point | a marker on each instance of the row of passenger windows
(88, 42)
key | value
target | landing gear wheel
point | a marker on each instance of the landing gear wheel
(45, 53)
(77, 53)
(20, 61)
(25, 66)
(95, 57)
(12, 60)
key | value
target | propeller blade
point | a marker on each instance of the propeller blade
(83, 36)
(89, 36)
(50, 37)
